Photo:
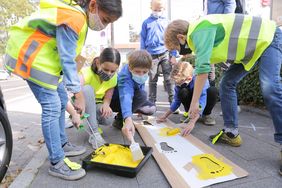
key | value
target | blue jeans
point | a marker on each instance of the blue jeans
(270, 82)
(53, 104)
(221, 6)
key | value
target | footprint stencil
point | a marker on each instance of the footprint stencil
(209, 167)
(166, 148)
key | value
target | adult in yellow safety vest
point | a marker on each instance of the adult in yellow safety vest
(43, 47)
(244, 40)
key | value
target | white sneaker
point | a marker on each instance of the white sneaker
(68, 123)
(208, 120)
(96, 140)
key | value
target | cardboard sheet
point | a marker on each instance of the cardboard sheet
(174, 155)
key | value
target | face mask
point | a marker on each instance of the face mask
(94, 21)
(104, 76)
(184, 49)
(157, 14)
(140, 79)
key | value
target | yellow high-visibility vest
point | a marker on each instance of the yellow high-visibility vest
(100, 88)
(245, 38)
(31, 51)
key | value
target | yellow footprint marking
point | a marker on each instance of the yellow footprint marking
(210, 167)
(168, 131)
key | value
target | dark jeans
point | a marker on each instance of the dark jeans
(162, 61)
(140, 104)
(185, 96)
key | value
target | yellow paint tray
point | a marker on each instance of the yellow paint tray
(87, 164)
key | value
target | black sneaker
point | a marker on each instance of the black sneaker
(118, 122)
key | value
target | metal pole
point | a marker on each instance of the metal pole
(112, 35)
(169, 9)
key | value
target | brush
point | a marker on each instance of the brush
(136, 151)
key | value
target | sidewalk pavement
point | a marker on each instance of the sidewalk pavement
(259, 155)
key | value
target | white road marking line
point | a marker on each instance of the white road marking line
(14, 88)
(18, 98)
(253, 126)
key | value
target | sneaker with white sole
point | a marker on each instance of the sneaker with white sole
(67, 170)
(68, 123)
(96, 140)
(208, 120)
(73, 150)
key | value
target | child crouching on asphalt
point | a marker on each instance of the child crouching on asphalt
(98, 82)
(130, 95)
(182, 74)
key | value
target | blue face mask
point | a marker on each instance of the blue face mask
(140, 79)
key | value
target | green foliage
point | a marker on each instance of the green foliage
(248, 89)
(11, 12)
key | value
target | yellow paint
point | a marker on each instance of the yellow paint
(168, 131)
(210, 167)
(114, 154)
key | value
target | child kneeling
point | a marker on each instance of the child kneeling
(130, 95)
(182, 74)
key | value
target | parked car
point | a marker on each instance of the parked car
(4, 75)
(6, 140)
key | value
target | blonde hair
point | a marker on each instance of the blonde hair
(181, 71)
(139, 59)
(173, 29)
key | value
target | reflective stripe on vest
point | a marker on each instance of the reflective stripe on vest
(36, 74)
(28, 52)
(252, 39)
(245, 37)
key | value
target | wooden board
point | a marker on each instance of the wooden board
(177, 164)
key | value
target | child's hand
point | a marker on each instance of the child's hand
(128, 128)
(187, 130)
(79, 102)
(106, 110)
(161, 119)
(190, 126)
(75, 119)
(194, 111)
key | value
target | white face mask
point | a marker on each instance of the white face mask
(157, 14)
(94, 21)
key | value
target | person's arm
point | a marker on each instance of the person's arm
(126, 93)
(105, 108)
(172, 55)
(203, 98)
(143, 36)
(66, 43)
(75, 117)
(203, 41)
(176, 101)
(174, 105)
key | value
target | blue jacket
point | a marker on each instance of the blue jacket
(152, 35)
(203, 98)
(126, 88)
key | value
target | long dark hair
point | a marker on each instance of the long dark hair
(113, 7)
(107, 55)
